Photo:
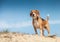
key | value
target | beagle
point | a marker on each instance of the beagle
(39, 23)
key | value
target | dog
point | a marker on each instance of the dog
(39, 23)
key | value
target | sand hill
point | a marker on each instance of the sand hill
(18, 37)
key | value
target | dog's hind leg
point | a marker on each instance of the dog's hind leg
(48, 29)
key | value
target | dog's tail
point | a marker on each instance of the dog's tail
(47, 18)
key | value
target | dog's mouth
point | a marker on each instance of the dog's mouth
(34, 16)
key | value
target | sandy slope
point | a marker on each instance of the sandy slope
(18, 37)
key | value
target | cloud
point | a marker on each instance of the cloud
(4, 24)
(15, 25)
(54, 21)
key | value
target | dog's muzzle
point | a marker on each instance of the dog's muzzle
(33, 14)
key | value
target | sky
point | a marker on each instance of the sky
(15, 15)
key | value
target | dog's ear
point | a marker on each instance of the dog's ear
(37, 12)
(30, 13)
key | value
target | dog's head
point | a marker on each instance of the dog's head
(34, 14)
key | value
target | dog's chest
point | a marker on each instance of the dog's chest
(36, 23)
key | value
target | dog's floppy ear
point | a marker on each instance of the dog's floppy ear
(30, 13)
(37, 12)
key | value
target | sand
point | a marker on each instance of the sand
(18, 37)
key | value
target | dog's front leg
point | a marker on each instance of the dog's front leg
(35, 30)
(41, 31)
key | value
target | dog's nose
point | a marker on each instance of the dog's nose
(33, 15)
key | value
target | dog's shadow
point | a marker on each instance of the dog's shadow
(52, 36)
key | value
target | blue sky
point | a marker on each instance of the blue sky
(15, 15)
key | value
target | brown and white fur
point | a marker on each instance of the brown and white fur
(39, 23)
